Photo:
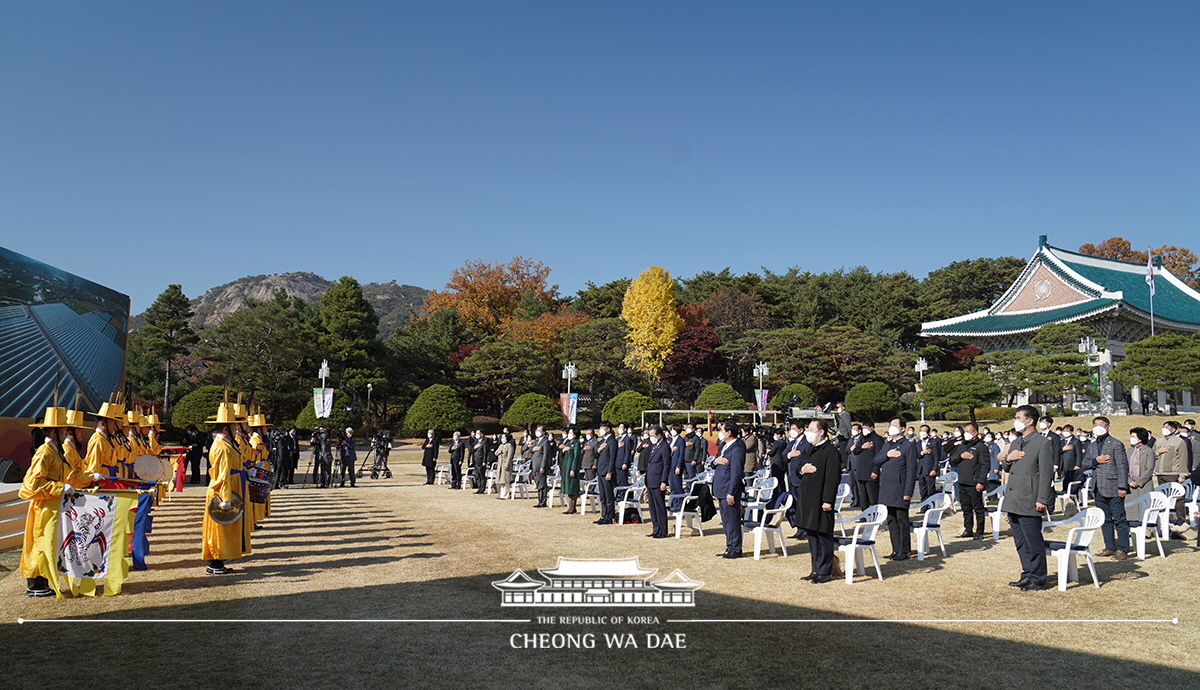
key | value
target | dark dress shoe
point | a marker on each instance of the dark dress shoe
(723, 554)
(809, 576)
(1032, 587)
(821, 579)
(965, 535)
(733, 554)
(659, 536)
(1019, 583)
(900, 557)
(977, 537)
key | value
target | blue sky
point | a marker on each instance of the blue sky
(143, 144)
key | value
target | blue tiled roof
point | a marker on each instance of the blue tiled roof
(1019, 322)
(1170, 302)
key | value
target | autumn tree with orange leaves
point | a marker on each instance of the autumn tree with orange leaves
(1178, 260)
(486, 296)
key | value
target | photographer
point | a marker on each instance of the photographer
(322, 460)
(347, 455)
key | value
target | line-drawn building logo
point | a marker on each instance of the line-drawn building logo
(597, 582)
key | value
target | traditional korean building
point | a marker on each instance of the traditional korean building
(597, 582)
(1111, 297)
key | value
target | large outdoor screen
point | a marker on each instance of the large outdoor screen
(55, 326)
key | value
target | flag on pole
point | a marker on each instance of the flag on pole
(1150, 272)
(90, 541)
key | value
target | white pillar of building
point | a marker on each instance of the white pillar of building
(1136, 394)
(1162, 402)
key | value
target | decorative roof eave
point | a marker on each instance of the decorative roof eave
(518, 581)
(1158, 320)
(925, 332)
(677, 580)
(597, 567)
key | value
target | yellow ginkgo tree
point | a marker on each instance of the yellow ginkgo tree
(649, 310)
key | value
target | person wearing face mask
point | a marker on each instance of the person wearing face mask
(1069, 457)
(1141, 463)
(606, 468)
(675, 468)
(1030, 466)
(658, 469)
(458, 448)
(776, 460)
(862, 456)
(694, 451)
(843, 431)
(929, 457)
(626, 443)
(1171, 466)
(727, 486)
(1106, 458)
(972, 460)
(822, 472)
(541, 458)
(1189, 444)
(993, 477)
(795, 452)
(896, 469)
(570, 453)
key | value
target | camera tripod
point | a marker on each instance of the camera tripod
(378, 467)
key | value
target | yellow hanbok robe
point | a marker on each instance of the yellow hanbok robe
(259, 455)
(104, 455)
(223, 542)
(43, 488)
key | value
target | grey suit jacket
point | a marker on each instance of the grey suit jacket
(1110, 477)
(1030, 479)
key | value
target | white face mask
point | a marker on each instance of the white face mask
(893, 431)
(538, 433)
(720, 435)
(674, 433)
(812, 437)
(924, 435)
(1043, 426)
(1133, 441)
(1018, 426)
(958, 434)
(1099, 431)
(988, 439)
(793, 434)
(1166, 431)
(969, 436)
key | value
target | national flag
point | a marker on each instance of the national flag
(89, 539)
(1150, 272)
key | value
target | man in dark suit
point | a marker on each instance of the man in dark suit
(1046, 428)
(929, 458)
(1030, 466)
(606, 469)
(625, 446)
(588, 447)
(539, 466)
(727, 487)
(458, 448)
(972, 460)
(675, 474)
(842, 417)
(480, 454)
(896, 470)
(695, 452)
(862, 455)
(658, 468)
(430, 449)
(194, 440)
(822, 472)
(777, 461)
(794, 453)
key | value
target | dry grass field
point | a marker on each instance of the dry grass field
(363, 568)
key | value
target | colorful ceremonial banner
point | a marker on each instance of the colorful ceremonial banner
(761, 394)
(569, 404)
(322, 402)
(90, 541)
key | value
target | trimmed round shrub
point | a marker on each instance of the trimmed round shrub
(720, 396)
(807, 397)
(196, 407)
(871, 400)
(532, 409)
(628, 407)
(437, 407)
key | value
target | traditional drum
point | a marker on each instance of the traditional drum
(258, 490)
(150, 468)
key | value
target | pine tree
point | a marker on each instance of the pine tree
(167, 332)
(649, 309)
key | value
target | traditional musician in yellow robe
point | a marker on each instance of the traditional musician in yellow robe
(137, 442)
(105, 451)
(49, 475)
(223, 542)
(152, 431)
(261, 458)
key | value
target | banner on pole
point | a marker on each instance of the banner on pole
(761, 395)
(569, 405)
(573, 408)
(322, 402)
(91, 541)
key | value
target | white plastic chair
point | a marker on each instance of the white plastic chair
(1193, 508)
(589, 491)
(1085, 492)
(757, 497)
(863, 539)
(1151, 507)
(689, 511)
(1077, 543)
(931, 523)
(442, 474)
(633, 497)
(1173, 491)
(839, 502)
(1069, 494)
(520, 481)
(996, 515)
(769, 523)
(949, 481)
